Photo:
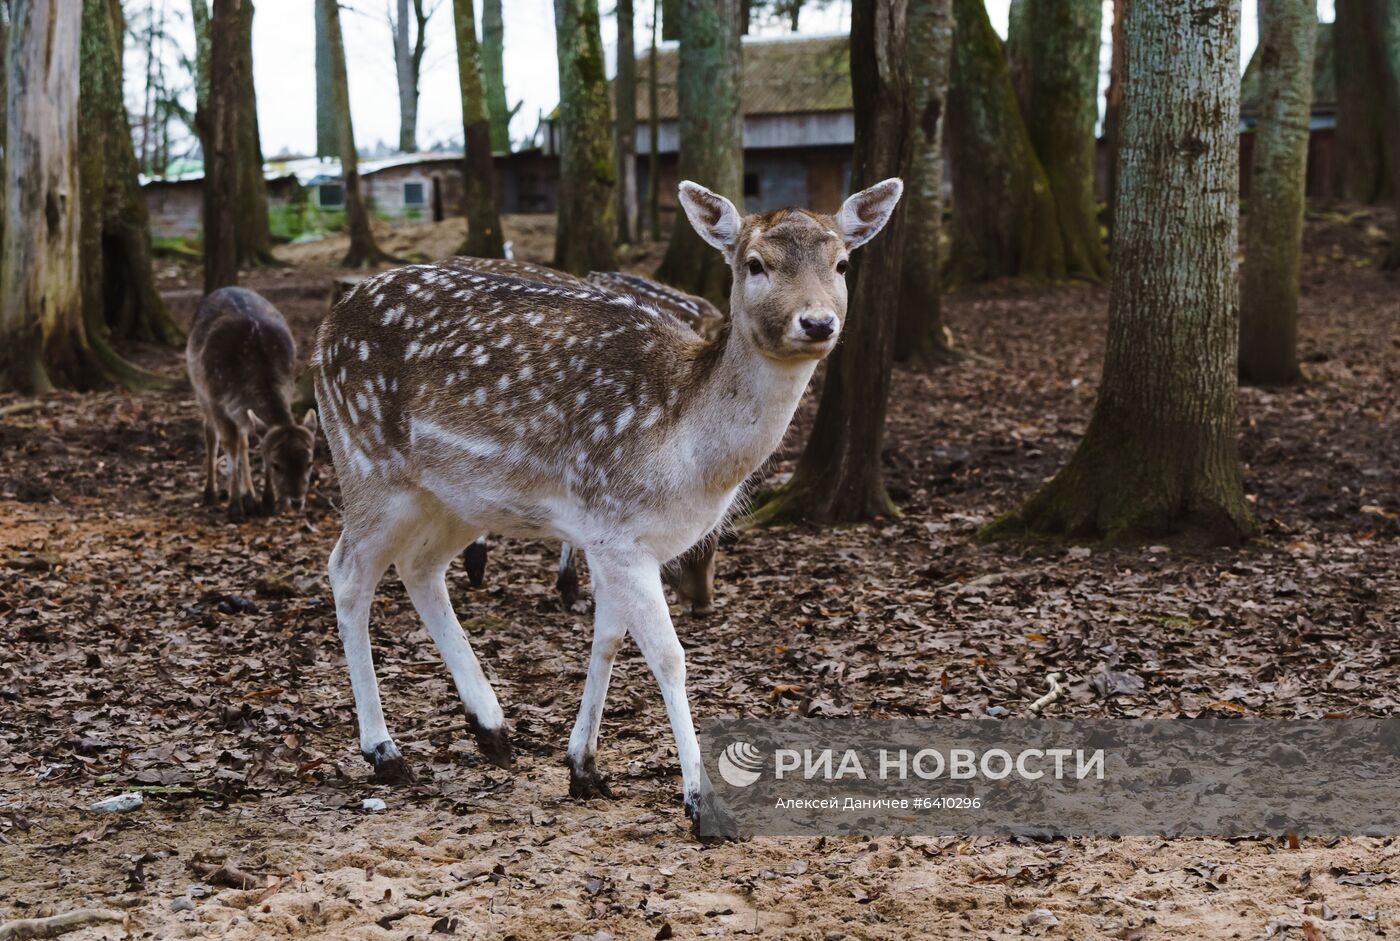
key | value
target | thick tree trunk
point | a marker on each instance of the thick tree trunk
(653, 130)
(626, 95)
(221, 147)
(43, 343)
(1004, 220)
(587, 172)
(1360, 137)
(711, 137)
(671, 15)
(254, 229)
(1385, 37)
(119, 291)
(327, 137)
(1018, 51)
(1113, 109)
(484, 239)
(838, 478)
(1277, 188)
(493, 74)
(1159, 459)
(1063, 38)
(921, 335)
(363, 249)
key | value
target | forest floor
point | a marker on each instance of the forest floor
(148, 643)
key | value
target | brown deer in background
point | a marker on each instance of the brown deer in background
(458, 402)
(241, 359)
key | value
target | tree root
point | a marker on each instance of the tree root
(56, 925)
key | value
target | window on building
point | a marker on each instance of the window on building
(751, 184)
(413, 194)
(330, 196)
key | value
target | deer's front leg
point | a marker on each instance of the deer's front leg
(609, 630)
(211, 463)
(628, 591)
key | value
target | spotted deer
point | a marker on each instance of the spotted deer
(241, 359)
(458, 402)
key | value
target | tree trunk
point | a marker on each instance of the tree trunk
(119, 291)
(1113, 109)
(1018, 51)
(1159, 459)
(1064, 39)
(43, 343)
(199, 10)
(1004, 221)
(493, 73)
(626, 95)
(1277, 193)
(711, 137)
(1385, 37)
(254, 229)
(363, 251)
(671, 15)
(408, 64)
(484, 239)
(221, 146)
(327, 137)
(838, 478)
(653, 129)
(921, 335)
(1360, 136)
(587, 173)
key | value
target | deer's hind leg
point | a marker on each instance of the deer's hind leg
(211, 462)
(422, 565)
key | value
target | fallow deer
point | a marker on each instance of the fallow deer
(241, 359)
(458, 402)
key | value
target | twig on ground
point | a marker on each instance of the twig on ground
(1055, 692)
(55, 925)
(226, 874)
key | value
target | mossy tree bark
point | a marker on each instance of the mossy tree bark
(43, 341)
(484, 238)
(711, 137)
(493, 74)
(1360, 166)
(1004, 219)
(363, 249)
(587, 171)
(626, 96)
(1018, 51)
(254, 229)
(1063, 39)
(1159, 459)
(219, 121)
(119, 291)
(327, 143)
(921, 336)
(838, 478)
(1385, 37)
(1277, 193)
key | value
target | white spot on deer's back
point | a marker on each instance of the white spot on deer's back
(624, 419)
(364, 351)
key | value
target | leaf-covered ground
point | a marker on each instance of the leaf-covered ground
(146, 643)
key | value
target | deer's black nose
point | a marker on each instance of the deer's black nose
(817, 326)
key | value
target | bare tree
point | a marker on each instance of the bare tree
(1360, 165)
(1277, 193)
(626, 96)
(1159, 459)
(1384, 18)
(653, 129)
(409, 47)
(221, 145)
(493, 75)
(327, 143)
(484, 238)
(254, 231)
(587, 171)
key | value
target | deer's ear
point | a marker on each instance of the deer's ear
(258, 424)
(309, 420)
(713, 216)
(864, 214)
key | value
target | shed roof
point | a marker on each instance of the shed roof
(1324, 77)
(781, 76)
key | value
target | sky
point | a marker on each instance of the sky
(283, 63)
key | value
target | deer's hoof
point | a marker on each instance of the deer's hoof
(251, 506)
(236, 512)
(710, 819)
(494, 745)
(586, 783)
(211, 497)
(567, 586)
(389, 765)
(474, 559)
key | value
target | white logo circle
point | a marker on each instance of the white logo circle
(739, 764)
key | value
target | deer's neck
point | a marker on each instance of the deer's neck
(740, 409)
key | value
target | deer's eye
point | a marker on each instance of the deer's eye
(755, 266)
(842, 265)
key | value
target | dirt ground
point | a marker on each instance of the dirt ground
(146, 643)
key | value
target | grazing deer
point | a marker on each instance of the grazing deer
(241, 359)
(693, 574)
(458, 402)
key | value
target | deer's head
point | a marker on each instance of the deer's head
(288, 451)
(789, 295)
